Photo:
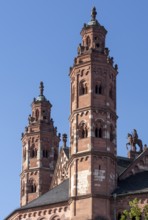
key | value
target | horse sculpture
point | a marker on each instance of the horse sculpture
(133, 141)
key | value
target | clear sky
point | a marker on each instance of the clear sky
(38, 41)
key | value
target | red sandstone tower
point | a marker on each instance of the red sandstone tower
(93, 125)
(40, 144)
(84, 185)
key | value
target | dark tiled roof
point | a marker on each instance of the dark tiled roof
(133, 184)
(122, 164)
(58, 194)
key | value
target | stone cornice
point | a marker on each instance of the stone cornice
(92, 153)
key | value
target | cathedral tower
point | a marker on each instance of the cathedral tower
(40, 144)
(92, 125)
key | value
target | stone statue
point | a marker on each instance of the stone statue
(133, 140)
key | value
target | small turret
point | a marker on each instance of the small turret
(93, 17)
(41, 96)
(40, 143)
(41, 88)
(64, 138)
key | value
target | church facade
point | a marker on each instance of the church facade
(87, 180)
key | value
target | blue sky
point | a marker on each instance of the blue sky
(38, 41)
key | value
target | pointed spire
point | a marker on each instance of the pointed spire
(93, 17)
(41, 88)
(41, 96)
(93, 14)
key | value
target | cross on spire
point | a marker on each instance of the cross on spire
(93, 14)
(41, 88)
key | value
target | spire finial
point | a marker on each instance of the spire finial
(93, 14)
(41, 88)
(64, 140)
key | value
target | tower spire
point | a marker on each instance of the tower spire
(93, 20)
(41, 88)
(93, 14)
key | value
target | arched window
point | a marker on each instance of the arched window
(24, 154)
(73, 93)
(83, 88)
(111, 92)
(99, 129)
(97, 45)
(83, 130)
(33, 152)
(23, 189)
(98, 89)
(84, 133)
(88, 41)
(31, 186)
(37, 114)
(45, 153)
(98, 133)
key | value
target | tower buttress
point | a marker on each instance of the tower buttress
(40, 144)
(92, 124)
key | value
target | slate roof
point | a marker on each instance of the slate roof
(133, 184)
(58, 194)
(137, 183)
(122, 164)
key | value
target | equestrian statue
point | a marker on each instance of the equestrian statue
(133, 140)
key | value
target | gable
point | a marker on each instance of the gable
(140, 164)
(61, 169)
